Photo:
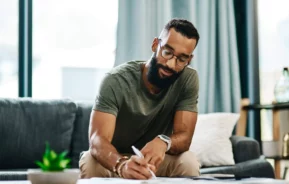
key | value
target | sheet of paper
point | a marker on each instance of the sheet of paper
(151, 181)
(182, 181)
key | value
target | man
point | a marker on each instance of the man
(150, 105)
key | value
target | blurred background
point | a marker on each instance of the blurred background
(69, 41)
(63, 48)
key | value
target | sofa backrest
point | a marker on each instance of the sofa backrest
(79, 141)
(26, 124)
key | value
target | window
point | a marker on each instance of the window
(8, 48)
(273, 52)
(73, 46)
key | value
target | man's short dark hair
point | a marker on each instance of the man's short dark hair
(185, 27)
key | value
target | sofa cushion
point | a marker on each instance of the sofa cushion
(80, 132)
(26, 124)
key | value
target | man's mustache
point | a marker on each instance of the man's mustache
(166, 68)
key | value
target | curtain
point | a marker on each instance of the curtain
(216, 56)
(138, 23)
(247, 37)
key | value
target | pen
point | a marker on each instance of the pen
(139, 154)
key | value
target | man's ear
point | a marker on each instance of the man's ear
(191, 57)
(155, 44)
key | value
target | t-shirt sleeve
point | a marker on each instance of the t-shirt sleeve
(188, 99)
(106, 100)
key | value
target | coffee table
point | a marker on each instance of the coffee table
(165, 181)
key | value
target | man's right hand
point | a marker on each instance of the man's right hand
(137, 168)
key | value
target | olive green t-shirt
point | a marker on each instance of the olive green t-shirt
(140, 115)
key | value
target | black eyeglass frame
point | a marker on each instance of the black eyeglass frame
(168, 57)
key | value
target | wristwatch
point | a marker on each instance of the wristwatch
(166, 139)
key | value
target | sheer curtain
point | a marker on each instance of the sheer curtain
(138, 23)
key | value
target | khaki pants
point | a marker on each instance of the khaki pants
(185, 164)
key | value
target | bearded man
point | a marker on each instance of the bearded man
(151, 105)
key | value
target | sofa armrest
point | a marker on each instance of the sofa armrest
(257, 168)
(244, 148)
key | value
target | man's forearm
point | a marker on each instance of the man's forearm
(181, 142)
(104, 152)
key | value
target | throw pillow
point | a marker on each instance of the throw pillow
(211, 141)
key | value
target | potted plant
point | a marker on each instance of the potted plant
(53, 169)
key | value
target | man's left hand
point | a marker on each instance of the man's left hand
(154, 152)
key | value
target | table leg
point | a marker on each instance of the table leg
(242, 124)
(277, 166)
(276, 136)
(276, 125)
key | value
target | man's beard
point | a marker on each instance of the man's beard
(154, 77)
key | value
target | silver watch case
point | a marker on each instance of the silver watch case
(166, 139)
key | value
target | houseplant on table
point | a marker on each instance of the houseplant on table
(53, 169)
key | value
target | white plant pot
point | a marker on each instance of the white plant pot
(68, 176)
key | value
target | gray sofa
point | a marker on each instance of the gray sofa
(26, 124)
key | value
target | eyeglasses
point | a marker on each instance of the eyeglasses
(168, 54)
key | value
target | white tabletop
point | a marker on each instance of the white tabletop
(163, 180)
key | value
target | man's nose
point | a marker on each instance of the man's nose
(171, 63)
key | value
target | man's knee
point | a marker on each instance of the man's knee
(187, 164)
(89, 167)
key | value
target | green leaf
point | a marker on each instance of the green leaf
(46, 161)
(62, 155)
(52, 155)
(47, 150)
(63, 163)
(41, 165)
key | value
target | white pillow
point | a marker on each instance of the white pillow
(211, 141)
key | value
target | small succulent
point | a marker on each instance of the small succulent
(52, 161)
